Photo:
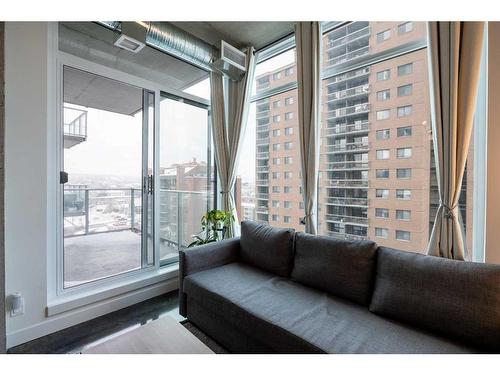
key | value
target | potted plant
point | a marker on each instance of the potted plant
(215, 225)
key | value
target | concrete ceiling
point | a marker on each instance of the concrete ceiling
(239, 34)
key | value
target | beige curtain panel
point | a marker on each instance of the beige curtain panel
(228, 136)
(308, 41)
(454, 65)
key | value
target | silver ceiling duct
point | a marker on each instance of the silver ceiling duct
(176, 42)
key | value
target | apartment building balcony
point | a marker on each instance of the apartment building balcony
(363, 34)
(349, 75)
(348, 56)
(347, 183)
(346, 111)
(261, 114)
(103, 227)
(262, 182)
(262, 128)
(347, 165)
(363, 127)
(262, 141)
(262, 155)
(262, 169)
(75, 131)
(262, 209)
(347, 201)
(262, 196)
(343, 219)
(348, 93)
(344, 236)
(347, 147)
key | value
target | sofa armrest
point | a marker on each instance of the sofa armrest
(202, 258)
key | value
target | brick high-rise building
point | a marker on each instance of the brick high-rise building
(377, 178)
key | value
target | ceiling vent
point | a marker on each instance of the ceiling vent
(232, 61)
(132, 37)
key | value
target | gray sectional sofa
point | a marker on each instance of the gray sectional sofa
(276, 291)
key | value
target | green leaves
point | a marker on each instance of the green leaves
(215, 224)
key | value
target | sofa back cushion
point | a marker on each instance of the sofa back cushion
(266, 247)
(339, 267)
(455, 298)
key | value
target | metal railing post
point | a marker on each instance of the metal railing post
(87, 211)
(179, 221)
(132, 209)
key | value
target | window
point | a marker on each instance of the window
(404, 152)
(383, 154)
(288, 175)
(275, 203)
(403, 173)
(382, 213)
(384, 75)
(403, 214)
(276, 132)
(287, 189)
(288, 115)
(287, 204)
(383, 36)
(289, 71)
(404, 111)
(276, 118)
(405, 69)
(383, 134)
(287, 219)
(404, 131)
(288, 160)
(384, 95)
(275, 217)
(405, 90)
(384, 114)
(276, 146)
(277, 104)
(288, 145)
(403, 194)
(289, 100)
(276, 76)
(405, 28)
(276, 189)
(382, 193)
(403, 235)
(382, 173)
(276, 161)
(382, 232)
(276, 175)
(288, 131)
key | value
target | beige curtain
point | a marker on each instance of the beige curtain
(454, 64)
(228, 136)
(308, 40)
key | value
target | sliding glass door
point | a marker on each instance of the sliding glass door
(186, 173)
(106, 177)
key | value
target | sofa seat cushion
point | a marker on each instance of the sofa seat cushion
(290, 317)
(454, 298)
(343, 268)
(266, 247)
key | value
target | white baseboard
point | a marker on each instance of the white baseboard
(89, 312)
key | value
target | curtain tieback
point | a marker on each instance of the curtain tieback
(448, 211)
(303, 219)
(224, 191)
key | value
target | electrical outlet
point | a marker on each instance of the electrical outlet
(16, 305)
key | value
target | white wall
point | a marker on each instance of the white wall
(30, 113)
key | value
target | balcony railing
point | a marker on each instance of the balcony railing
(347, 219)
(347, 201)
(345, 129)
(262, 182)
(355, 109)
(264, 196)
(262, 155)
(262, 114)
(349, 75)
(263, 128)
(75, 131)
(348, 147)
(348, 56)
(262, 209)
(262, 169)
(345, 236)
(348, 93)
(262, 141)
(345, 183)
(332, 44)
(346, 165)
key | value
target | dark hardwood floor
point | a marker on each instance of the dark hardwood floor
(74, 339)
